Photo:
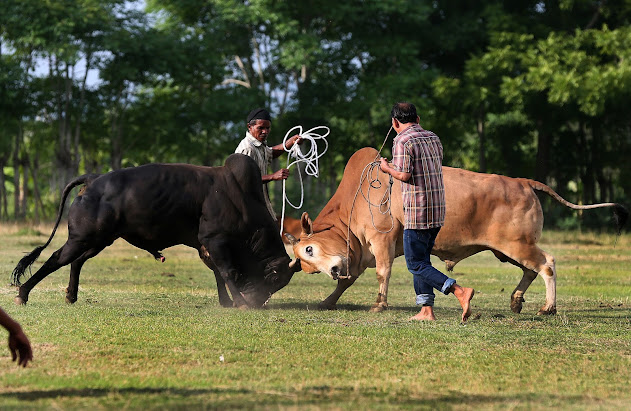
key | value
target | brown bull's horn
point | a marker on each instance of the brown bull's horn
(294, 265)
(292, 240)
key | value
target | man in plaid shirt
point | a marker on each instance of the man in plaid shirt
(417, 163)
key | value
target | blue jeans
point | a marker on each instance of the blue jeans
(417, 247)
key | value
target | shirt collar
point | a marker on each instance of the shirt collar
(409, 128)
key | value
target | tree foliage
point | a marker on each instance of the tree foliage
(536, 89)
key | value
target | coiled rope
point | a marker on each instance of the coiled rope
(310, 158)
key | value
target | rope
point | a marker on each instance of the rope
(310, 158)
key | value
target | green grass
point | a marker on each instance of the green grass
(146, 335)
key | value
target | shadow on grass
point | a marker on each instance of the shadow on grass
(319, 396)
(313, 306)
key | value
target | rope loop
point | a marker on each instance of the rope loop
(309, 158)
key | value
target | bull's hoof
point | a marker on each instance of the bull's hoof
(326, 306)
(378, 307)
(547, 311)
(19, 301)
(516, 304)
(226, 304)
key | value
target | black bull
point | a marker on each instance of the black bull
(219, 211)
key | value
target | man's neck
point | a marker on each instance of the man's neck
(403, 127)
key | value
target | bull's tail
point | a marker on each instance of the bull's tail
(30, 258)
(620, 213)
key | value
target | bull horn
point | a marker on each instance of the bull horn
(295, 266)
(292, 240)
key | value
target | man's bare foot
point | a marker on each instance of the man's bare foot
(464, 296)
(426, 314)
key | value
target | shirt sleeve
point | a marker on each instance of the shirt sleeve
(244, 149)
(401, 159)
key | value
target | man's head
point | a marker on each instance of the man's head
(402, 114)
(259, 123)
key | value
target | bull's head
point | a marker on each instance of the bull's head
(324, 251)
(266, 265)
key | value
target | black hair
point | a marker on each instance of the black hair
(404, 112)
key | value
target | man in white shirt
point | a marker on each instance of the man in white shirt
(259, 123)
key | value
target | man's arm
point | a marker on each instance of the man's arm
(278, 149)
(19, 344)
(399, 175)
(281, 174)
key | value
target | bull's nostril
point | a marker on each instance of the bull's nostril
(335, 270)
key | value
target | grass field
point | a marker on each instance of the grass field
(147, 335)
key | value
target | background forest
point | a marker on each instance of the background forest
(537, 89)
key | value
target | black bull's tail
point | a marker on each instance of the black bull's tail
(620, 213)
(30, 258)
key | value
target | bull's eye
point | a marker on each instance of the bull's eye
(309, 250)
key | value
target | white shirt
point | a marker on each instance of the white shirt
(262, 156)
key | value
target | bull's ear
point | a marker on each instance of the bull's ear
(292, 240)
(307, 225)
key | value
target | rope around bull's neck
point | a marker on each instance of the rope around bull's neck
(310, 158)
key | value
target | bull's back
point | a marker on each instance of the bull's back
(488, 209)
(154, 202)
(481, 209)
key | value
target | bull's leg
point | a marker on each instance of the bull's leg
(213, 249)
(75, 272)
(517, 297)
(330, 302)
(222, 292)
(549, 274)
(64, 256)
(534, 260)
(384, 261)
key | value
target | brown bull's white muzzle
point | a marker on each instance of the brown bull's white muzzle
(338, 270)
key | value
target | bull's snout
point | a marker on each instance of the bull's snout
(335, 272)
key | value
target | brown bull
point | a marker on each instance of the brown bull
(484, 212)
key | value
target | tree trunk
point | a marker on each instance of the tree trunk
(482, 141)
(587, 175)
(16, 173)
(24, 191)
(543, 153)
(4, 212)
(40, 211)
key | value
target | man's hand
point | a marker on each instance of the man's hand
(293, 140)
(20, 347)
(387, 168)
(281, 174)
(384, 164)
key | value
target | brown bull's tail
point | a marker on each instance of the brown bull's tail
(620, 213)
(30, 258)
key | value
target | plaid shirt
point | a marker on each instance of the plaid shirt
(420, 153)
